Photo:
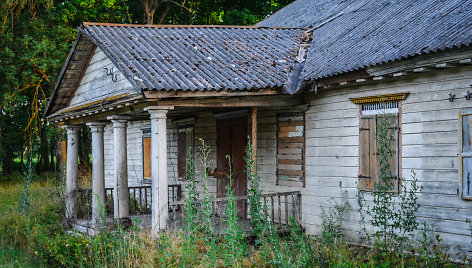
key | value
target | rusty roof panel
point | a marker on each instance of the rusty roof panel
(199, 57)
(354, 34)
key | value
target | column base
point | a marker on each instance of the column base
(124, 223)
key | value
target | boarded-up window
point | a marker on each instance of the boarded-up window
(369, 169)
(291, 148)
(466, 155)
(147, 157)
(184, 149)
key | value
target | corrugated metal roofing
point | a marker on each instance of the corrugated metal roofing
(353, 34)
(199, 57)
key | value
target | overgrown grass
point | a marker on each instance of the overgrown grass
(36, 236)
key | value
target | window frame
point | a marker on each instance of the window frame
(289, 183)
(399, 140)
(189, 136)
(467, 112)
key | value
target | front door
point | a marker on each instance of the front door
(231, 140)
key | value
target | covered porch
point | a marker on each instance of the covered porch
(124, 203)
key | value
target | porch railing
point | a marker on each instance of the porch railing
(140, 200)
(278, 207)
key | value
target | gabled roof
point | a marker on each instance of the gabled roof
(353, 34)
(199, 57)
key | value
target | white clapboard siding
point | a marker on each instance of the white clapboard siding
(430, 137)
(96, 84)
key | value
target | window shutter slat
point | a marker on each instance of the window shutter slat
(365, 154)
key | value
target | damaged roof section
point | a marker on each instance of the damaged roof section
(350, 35)
(192, 58)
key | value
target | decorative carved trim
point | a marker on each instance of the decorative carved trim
(380, 98)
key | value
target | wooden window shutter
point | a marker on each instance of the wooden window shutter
(466, 156)
(147, 157)
(181, 154)
(367, 153)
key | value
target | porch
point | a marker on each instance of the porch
(278, 207)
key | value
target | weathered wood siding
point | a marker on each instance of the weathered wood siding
(96, 84)
(429, 141)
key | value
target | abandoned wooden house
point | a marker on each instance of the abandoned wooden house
(304, 84)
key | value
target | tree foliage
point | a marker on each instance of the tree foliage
(36, 36)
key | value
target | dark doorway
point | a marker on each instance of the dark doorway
(232, 141)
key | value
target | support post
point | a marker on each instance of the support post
(120, 166)
(98, 172)
(160, 191)
(72, 170)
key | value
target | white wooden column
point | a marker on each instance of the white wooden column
(72, 170)
(98, 172)
(120, 164)
(160, 191)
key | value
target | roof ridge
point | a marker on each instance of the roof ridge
(185, 26)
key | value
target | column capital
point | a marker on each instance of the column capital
(119, 120)
(158, 112)
(72, 129)
(96, 126)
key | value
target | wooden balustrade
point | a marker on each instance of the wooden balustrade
(278, 207)
(140, 200)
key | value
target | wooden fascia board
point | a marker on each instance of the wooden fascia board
(162, 94)
(345, 77)
(425, 60)
(246, 101)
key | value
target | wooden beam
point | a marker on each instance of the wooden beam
(422, 69)
(445, 65)
(160, 94)
(104, 115)
(248, 101)
(254, 132)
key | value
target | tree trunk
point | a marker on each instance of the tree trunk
(52, 151)
(163, 15)
(149, 7)
(60, 156)
(22, 159)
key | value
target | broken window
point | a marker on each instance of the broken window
(291, 149)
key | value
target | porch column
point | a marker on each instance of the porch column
(72, 170)
(98, 171)
(120, 164)
(160, 190)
